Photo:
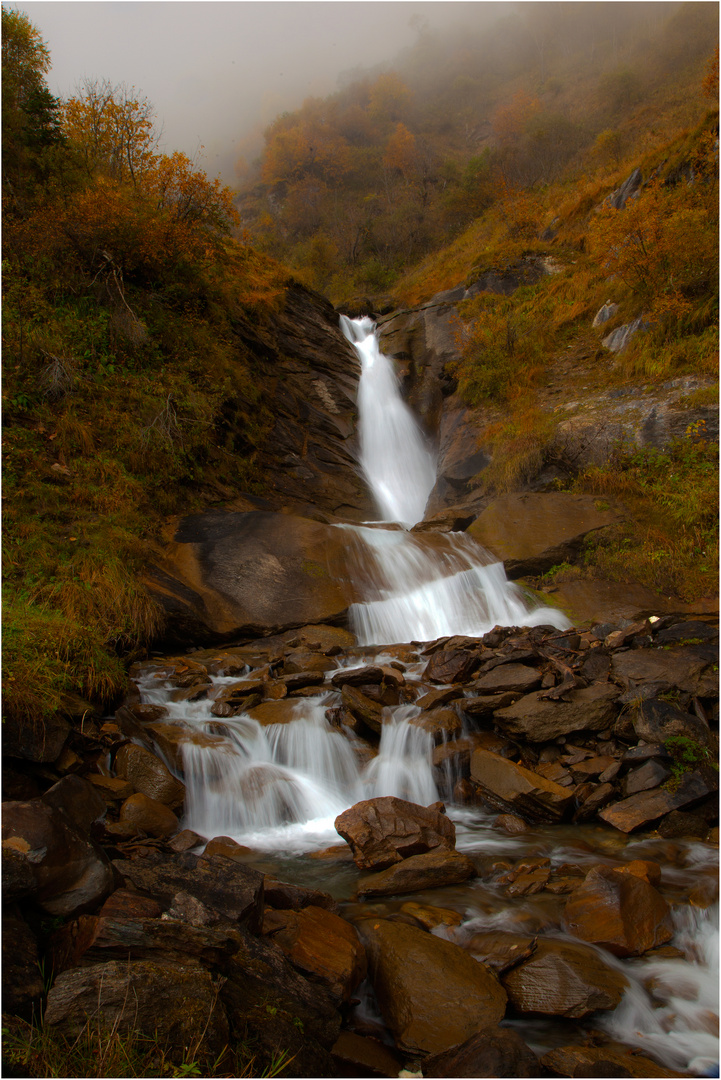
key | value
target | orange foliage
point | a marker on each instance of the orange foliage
(510, 121)
(307, 149)
(400, 152)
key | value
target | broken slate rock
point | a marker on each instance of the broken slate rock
(619, 912)
(384, 830)
(538, 720)
(427, 871)
(563, 979)
(493, 1051)
(511, 788)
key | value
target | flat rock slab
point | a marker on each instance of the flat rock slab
(506, 677)
(510, 787)
(427, 871)
(685, 667)
(563, 979)
(618, 911)
(648, 806)
(539, 720)
(385, 830)
(427, 1012)
(532, 532)
(252, 573)
(230, 888)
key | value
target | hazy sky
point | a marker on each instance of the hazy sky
(215, 70)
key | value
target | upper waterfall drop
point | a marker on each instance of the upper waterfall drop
(398, 466)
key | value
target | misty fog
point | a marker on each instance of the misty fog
(217, 73)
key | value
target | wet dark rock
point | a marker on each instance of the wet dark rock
(508, 677)
(356, 1055)
(385, 830)
(538, 719)
(441, 724)
(362, 708)
(321, 945)
(357, 676)
(34, 740)
(499, 950)
(493, 1051)
(145, 815)
(655, 721)
(77, 800)
(684, 667)
(563, 979)
(232, 889)
(648, 806)
(149, 775)
(70, 873)
(618, 911)
(645, 777)
(511, 788)
(427, 871)
(451, 666)
(603, 1061)
(286, 897)
(428, 1014)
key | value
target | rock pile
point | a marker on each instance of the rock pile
(164, 932)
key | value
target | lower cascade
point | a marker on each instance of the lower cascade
(285, 734)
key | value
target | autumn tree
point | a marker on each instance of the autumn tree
(112, 130)
(389, 98)
(401, 154)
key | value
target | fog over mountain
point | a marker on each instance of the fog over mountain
(218, 73)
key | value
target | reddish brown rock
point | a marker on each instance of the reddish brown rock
(684, 667)
(356, 1055)
(500, 950)
(77, 800)
(112, 788)
(618, 911)
(430, 917)
(505, 677)
(320, 945)
(648, 806)
(427, 871)
(428, 1014)
(441, 724)
(614, 1060)
(384, 830)
(148, 816)
(124, 904)
(540, 720)
(357, 676)
(451, 666)
(563, 979)
(149, 775)
(509, 787)
(362, 708)
(493, 1051)
(284, 711)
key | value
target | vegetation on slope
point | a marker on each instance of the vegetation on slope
(122, 290)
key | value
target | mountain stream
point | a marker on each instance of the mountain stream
(277, 788)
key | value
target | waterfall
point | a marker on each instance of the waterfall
(418, 586)
(398, 467)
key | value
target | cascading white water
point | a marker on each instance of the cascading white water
(418, 587)
(398, 465)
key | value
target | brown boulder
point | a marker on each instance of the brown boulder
(563, 979)
(512, 788)
(427, 871)
(493, 1051)
(356, 1055)
(618, 911)
(684, 667)
(656, 720)
(148, 816)
(69, 873)
(362, 708)
(499, 950)
(149, 775)
(284, 711)
(77, 800)
(34, 740)
(384, 830)
(321, 945)
(540, 720)
(424, 1013)
(245, 574)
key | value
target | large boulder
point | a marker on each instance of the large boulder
(618, 911)
(385, 830)
(534, 531)
(645, 807)
(149, 775)
(247, 574)
(563, 979)
(68, 872)
(431, 993)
